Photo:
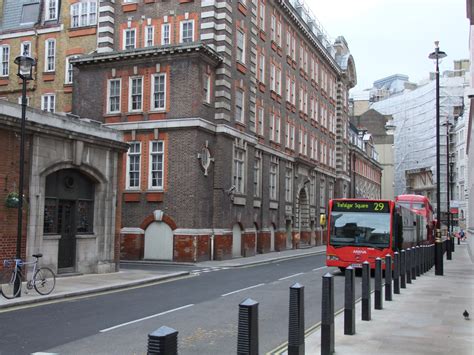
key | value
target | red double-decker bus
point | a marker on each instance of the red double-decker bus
(362, 230)
(421, 205)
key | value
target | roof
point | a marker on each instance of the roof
(148, 52)
(19, 14)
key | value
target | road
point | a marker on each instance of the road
(203, 308)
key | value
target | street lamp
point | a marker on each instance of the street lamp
(436, 56)
(449, 245)
(25, 72)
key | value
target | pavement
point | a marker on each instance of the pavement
(426, 318)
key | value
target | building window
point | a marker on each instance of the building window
(273, 173)
(257, 175)
(136, 94)
(239, 170)
(240, 46)
(273, 28)
(83, 14)
(165, 34)
(207, 88)
(260, 120)
(262, 15)
(159, 92)
(278, 81)
(114, 95)
(272, 77)
(275, 128)
(261, 67)
(69, 70)
(129, 41)
(27, 100)
(25, 49)
(51, 10)
(289, 183)
(149, 36)
(133, 165)
(239, 105)
(50, 55)
(48, 102)
(312, 189)
(5, 63)
(187, 31)
(155, 179)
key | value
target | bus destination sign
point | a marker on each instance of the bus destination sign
(361, 206)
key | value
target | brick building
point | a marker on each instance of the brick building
(72, 212)
(236, 115)
(52, 32)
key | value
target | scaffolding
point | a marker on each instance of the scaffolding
(414, 118)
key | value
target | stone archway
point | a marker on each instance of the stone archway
(68, 212)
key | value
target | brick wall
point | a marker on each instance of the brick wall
(9, 174)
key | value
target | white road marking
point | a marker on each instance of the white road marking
(289, 277)
(242, 289)
(145, 318)
(320, 268)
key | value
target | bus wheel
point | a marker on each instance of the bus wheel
(343, 269)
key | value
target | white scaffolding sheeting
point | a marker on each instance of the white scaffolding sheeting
(414, 117)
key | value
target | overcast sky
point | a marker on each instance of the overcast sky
(389, 37)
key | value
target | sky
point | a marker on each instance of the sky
(388, 37)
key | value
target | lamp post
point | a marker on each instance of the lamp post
(25, 73)
(449, 245)
(436, 56)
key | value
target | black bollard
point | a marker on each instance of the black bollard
(403, 268)
(327, 315)
(396, 273)
(449, 255)
(418, 259)
(163, 341)
(388, 277)
(413, 263)
(247, 333)
(459, 241)
(296, 321)
(439, 258)
(366, 306)
(378, 284)
(349, 302)
(452, 242)
(408, 265)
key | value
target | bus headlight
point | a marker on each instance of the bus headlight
(332, 257)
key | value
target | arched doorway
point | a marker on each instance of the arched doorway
(68, 211)
(236, 241)
(158, 242)
(302, 214)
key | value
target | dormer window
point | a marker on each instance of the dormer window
(51, 10)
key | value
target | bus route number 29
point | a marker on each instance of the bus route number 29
(379, 206)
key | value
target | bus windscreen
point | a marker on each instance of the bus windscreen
(360, 224)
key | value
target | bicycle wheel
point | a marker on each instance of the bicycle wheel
(44, 281)
(7, 283)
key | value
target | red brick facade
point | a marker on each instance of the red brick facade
(9, 175)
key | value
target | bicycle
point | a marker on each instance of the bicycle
(43, 280)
